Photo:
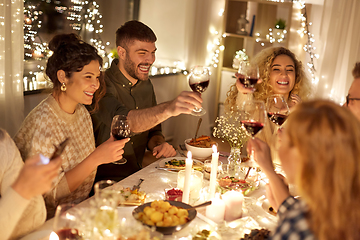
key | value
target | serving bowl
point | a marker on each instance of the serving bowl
(167, 230)
(199, 152)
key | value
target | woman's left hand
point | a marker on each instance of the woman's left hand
(294, 99)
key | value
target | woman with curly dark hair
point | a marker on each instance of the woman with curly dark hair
(75, 71)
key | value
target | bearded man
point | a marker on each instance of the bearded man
(130, 92)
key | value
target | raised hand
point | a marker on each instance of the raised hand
(294, 99)
(110, 150)
(184, 103)
(241, 87)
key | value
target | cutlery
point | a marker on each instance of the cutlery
(137, 187)
(197, 128)
(168, 169)
(200, 205)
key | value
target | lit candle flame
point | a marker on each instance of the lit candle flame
(189, 156)
(214, 148)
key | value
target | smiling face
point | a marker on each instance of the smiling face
(135, 62)
(282, 75)
(80, 87)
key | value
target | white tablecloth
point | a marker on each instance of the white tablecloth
(155, 181)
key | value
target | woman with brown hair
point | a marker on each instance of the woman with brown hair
(75, 71)
(319, 152)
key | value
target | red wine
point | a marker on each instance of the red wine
(248, 82)
(120, 133)
(277, 118)
(200, 87)
(68, 234)
(252, 127)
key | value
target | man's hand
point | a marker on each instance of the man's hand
(164, 150)
(184, 103)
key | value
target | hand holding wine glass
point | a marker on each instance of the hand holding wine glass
(120, 130)
(199, 79)
(277, 109)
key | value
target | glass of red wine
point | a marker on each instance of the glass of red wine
(253, 118)
(277, 109)
(67, 222)
(120, 130)
(199, 79)
(249, 74)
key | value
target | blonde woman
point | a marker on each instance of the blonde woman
(280, 73)
(319, 152)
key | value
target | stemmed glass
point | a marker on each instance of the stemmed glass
(67, 222)
(277, 109)
(120, 129)
(253, 119)
(199, 79)
(249, 74)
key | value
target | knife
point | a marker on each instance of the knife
(168, 169)
(137, 187)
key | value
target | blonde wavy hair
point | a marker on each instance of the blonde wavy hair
(327, 136)
(264, 60)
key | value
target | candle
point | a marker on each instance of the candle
(187, 180)
(214, 168)
(233, 205)
(216, 211)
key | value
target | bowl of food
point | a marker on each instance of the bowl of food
(167, 216)
(200, 147)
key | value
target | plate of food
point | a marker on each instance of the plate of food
(179, 163)
(130, 197)
(231, 183)
(268, 208)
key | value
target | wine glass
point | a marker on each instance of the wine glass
(67, 222)
(253, 119)
(119, 130)
(249, 74)
(277, 109)
(199, 79)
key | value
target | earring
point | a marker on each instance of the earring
(63, 87)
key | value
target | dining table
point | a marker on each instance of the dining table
(255, 212)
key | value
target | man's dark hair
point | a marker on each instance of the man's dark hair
(134, 30)
(356, 70)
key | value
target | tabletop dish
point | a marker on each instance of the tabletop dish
(167, 230)
(199, 152)
(130, 197)
(197, 165)
(267, 207)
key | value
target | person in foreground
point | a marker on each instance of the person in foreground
(22, 207)
(130, 92)
(319, 153)
(353, 97)
(74, 68)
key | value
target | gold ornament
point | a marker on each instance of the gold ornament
(63, 87)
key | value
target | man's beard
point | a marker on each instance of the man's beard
(130, 68)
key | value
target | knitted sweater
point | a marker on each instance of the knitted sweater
(18, 216)
(47, 124)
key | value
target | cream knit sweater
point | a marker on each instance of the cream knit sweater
(18, 216)
(47, 124)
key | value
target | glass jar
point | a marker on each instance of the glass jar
(234, 160)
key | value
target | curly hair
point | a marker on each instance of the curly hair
(356, 70)
(71, 54)
(264, 60)
(328, 172)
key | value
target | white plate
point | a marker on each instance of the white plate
(163, 161)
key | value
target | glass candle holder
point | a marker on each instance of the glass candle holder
(196, 183)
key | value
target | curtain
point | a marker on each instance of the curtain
(339, 48)
(11, 65)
